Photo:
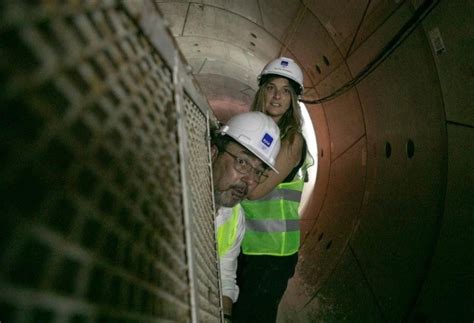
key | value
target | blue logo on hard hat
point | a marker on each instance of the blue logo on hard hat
(267, 140)
(284, 63)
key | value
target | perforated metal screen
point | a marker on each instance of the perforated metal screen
(92, 196)
(200, 185)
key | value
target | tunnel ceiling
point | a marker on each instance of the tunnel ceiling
(228, 42)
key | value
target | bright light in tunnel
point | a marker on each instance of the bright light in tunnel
(310, 136)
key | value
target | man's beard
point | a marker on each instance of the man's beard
(230, 197)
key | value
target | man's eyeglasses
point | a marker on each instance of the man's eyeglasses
(244, 167)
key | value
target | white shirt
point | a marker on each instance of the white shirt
(228, 261)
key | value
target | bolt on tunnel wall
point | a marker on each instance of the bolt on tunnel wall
(104, 217)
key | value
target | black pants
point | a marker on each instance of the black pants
(262, 281)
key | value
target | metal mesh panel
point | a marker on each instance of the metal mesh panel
(91, 199)
(202, 219)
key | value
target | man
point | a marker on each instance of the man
(241, 152)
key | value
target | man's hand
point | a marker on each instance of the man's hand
(227, 304)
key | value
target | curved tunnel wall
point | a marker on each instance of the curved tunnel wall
(375, 241)
(380, 214)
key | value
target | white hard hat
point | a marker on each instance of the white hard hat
(285, 67)
(258, 133)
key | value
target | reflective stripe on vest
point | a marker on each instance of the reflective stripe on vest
(286, 194)
(227, 232)
(272, 223)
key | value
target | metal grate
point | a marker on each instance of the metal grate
(201, 204)
(91, 207)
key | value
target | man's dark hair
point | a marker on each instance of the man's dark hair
(220, 141)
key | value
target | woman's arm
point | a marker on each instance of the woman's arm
(287, 159)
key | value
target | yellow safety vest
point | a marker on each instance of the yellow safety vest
(272, 225)
(227, 232)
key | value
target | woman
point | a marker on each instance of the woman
(271, 241)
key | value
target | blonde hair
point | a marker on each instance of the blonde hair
(291, 122)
